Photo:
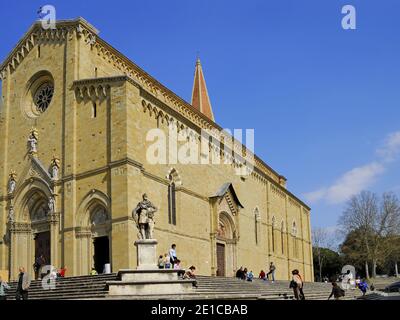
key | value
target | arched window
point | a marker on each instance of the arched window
(273, 234)
(171, 200)
(283, 237)
(294, 235)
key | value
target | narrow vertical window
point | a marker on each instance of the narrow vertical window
(294, 232)
(171, 203)
(257, 221)
(94, 110)
(95, 72)
(273, 234)
(38, 51)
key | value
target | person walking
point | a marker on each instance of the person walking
(172, 255)
(363, 286)
(337, 292)
(271, 272)
(297, 285)
(23, 285)
(3, 287)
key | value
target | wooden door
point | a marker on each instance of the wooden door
(220, 260)
(42, 246)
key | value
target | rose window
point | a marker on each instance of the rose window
(43, 96)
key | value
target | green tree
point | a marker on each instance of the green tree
(332, 263)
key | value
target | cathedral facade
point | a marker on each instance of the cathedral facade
(74, 162)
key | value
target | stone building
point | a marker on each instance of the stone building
(73, 141)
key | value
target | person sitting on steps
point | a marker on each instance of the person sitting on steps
(93, 272)
(190, 274)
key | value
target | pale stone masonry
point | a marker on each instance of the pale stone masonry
(100, 108)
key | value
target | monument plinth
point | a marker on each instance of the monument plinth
(146, 254)
(147, 279)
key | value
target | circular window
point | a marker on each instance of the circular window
(43, 96)
(39, 94)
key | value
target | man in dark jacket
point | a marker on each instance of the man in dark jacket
(239, 273)
(23, 285)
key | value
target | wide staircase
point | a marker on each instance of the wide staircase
(95, 287)
(83, 287)
(232, 288)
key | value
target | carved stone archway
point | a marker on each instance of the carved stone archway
(225, 230)
(93, 221)
(33, 217)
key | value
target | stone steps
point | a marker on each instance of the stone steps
(80, 287)
(95, 287)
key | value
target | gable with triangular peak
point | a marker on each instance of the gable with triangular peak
(227, 199)
(34, 169)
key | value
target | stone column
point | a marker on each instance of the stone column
(54, 219)
(83, 251)
(20, 248)
(213, 236)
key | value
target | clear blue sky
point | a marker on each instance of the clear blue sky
(322, 100)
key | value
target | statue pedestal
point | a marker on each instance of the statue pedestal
(148, 279)
(146, 254)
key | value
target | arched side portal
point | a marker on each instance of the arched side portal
(93, 233)
(226, 245)
(225, 207)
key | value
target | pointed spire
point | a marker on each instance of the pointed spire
(200, 99)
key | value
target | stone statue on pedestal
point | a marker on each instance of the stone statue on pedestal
(11, 182)
(10, 217)
(55, 168)
(143, 215)
(51, 205)
(33, 141)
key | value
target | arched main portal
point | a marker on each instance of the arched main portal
(226, 245)
(33, 230)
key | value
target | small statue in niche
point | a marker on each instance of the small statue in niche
(12, 183)
(54, 168)
(33, 141)
(10, 217)
(51, 205)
